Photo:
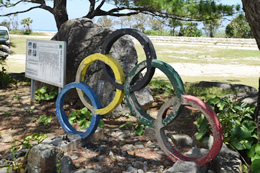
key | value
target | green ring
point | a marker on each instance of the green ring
(132, 102)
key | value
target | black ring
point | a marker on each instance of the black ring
(149, 52)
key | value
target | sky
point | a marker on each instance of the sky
(44, 20)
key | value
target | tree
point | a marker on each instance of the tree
(124, 21)
(6, 24)
(173, 24)
(157, 24)
(140, 21)
(211, 26)
(239, 28)
(184, 10)
(105, 21)
(13, 21)
(189, 29)
(27, 25)
(251, 9)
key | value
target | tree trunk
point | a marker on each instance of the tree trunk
(252, 11)
(60, 12)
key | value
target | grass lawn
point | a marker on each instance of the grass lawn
(19, 43)
(202, 54)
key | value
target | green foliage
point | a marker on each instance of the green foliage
(239, 28)
(43, 94)
(189, 9)
(83, 117)
(138, 129)
(45, 119)
(239, 128)
(27, 25)
(5, 78)
(18, 165)
(190, 29)
(160, 33)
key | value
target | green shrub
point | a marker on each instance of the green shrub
(239, 128)
(83, 117)
(43, 94)
(5, 78)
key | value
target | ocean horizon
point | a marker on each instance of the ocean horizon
(45, 30)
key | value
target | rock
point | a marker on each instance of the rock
(227, 161)
(199, 152)
(42, 158)
(149, 132)
(85, 38)
(184, 167)
(250, 99)
(181, 139)
(18, 154)
(85, 171)
(66, 165)
(139, 145)
(3, 170)
(221, 85)
(206, 142)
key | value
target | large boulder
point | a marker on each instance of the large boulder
(85, 38)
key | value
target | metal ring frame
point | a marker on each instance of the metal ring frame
(133, 104)
(211, 116)
(118, 73)
(62, 118)
(149, 52)
(151, 63)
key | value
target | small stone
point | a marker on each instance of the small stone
(181, 139)
(136, 164)
(119, 158)
(85, 171)
(97, 168)
(124, 153)
(150, 144)
(139, 145)
(129, 147)
(66, 165)
(181, 166)
(140, 171)
(75, 156)
(145, 168)
(167, 163)
(77, 165)
(155, 162)
(131, 169)
(161, 168)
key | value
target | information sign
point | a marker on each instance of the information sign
(46, 61)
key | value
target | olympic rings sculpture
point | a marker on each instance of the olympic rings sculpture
(126, 87)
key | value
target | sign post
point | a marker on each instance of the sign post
(45, 62)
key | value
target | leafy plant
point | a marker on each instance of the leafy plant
(18, 165)
(83, 117)
(239, 128)
(43, 94)
(45, 119)
(138, 128)
(5, 78)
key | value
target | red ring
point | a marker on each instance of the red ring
(212, 118)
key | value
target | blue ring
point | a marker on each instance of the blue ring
(62, 117)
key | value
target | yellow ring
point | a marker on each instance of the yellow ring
(119, 77)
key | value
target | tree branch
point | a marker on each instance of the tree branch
(17, 12)
(101, 4)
